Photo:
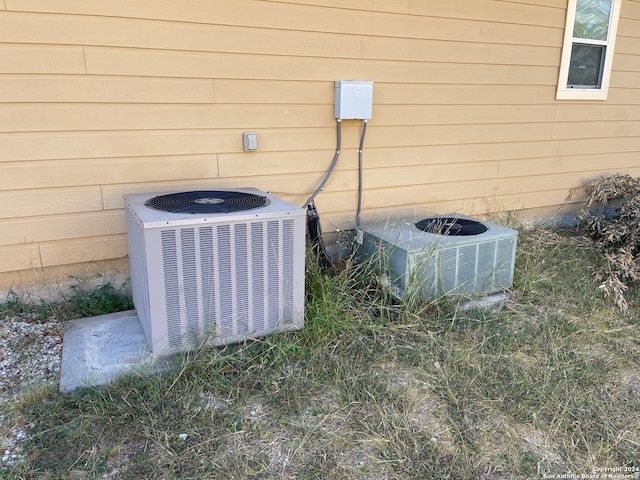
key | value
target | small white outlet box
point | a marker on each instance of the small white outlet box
(250, 140)
(353, 99)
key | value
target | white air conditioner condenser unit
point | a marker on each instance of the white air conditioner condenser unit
(218, 266)
(441, 255)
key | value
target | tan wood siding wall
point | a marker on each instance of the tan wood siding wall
(99, 98)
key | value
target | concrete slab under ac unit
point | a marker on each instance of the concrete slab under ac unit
(99, 350)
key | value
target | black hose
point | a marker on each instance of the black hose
(316, 237)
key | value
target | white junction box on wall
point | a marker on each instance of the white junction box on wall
(353, 99)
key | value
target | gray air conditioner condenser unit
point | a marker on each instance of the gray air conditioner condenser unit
(216, 265)
(442, 255)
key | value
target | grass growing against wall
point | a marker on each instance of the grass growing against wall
(549, 383)
(86, 297)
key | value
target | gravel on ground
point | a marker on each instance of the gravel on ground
(30, 355)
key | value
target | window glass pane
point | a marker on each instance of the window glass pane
(592, 19)
(586, 66)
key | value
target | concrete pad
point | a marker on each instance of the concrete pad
(98, 350)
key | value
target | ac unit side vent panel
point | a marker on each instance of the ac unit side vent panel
(413, 263)
(222, 278)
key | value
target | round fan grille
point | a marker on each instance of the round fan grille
(451, 226)
(207, 201)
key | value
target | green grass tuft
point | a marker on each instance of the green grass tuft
(87, 297)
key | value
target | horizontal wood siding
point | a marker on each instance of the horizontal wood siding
(99, 99)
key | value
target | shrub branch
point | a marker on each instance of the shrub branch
(611, 219)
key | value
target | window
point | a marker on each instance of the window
(587, 52)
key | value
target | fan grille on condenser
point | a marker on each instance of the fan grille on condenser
(207, 201)
(452, 226)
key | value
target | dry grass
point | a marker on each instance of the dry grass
(547, 384)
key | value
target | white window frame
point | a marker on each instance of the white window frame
(564, 93)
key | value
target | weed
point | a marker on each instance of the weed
(88, 296)
(93, 296)
(14, 304)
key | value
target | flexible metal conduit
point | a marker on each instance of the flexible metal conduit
(331, 167)
(364, 131)
(313, 218)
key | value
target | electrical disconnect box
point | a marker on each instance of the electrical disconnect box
(353, 99)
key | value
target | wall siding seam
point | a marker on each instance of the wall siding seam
(93, 89)
(40, 255)
(160, 59)
(102, 200)
(404, 10)
(217, 157)
(484, 14)
(99, 50)
(84, 59)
